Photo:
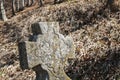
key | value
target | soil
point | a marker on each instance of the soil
(94, 27)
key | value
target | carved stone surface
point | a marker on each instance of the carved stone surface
(48, 48)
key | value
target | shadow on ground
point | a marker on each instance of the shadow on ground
(105, 68)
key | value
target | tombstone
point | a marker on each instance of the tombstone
(47, 51)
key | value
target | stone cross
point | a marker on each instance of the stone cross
(47, 51)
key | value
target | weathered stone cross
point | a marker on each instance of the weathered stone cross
(47, 48)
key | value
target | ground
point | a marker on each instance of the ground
(94, 27)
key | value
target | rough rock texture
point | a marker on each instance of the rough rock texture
(48, 48)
